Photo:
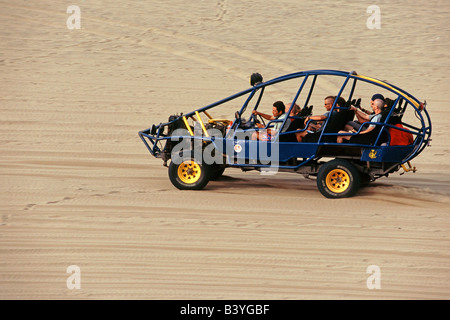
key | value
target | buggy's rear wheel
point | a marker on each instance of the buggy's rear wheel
(190, 174)
(338, 179)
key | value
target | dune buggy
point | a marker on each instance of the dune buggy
(198, 146)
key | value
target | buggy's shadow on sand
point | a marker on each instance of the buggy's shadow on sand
(413, 188)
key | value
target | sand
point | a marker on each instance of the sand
(78, 187)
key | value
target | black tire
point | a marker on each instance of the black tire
(217, 171)
(190, 174)
(365, 180)
(338, 179)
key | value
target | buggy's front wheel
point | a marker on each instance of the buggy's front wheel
(338, 179)
(189, 174)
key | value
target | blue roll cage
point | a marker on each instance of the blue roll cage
(153, 137)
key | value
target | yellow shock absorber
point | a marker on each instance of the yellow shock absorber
(201, 123)
(188, 126)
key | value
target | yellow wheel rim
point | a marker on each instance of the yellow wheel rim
(338, 180)
(189, 172)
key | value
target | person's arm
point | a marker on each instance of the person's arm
(265, 116)
(370, 128)
(317, 118)
(362, 117)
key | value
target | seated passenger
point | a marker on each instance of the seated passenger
(295, 124)
(361, 117)
(298, 123)
(366, 135)
(278, 113)
(309, 136)
(294, 112)
(388, 104)
(328, 103)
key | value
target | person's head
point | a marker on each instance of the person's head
(295, 109)
(278, 109)
(388, 103)
(340, 102)
(378, 105)
(328, 102)
(377, 96)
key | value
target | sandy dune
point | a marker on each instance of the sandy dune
(79, 188)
